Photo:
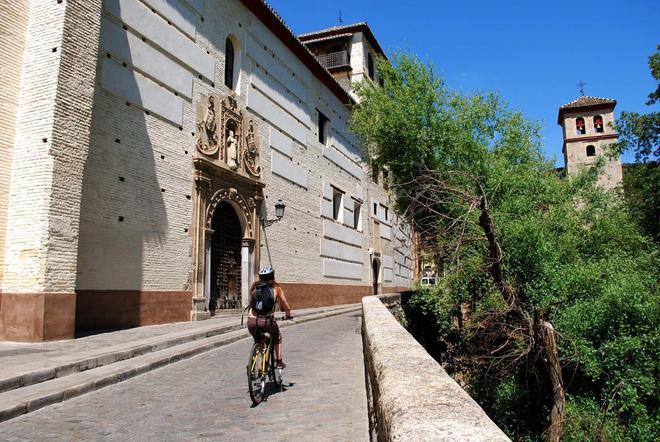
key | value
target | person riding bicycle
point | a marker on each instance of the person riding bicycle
(261, 319)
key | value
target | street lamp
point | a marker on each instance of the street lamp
(279, 214)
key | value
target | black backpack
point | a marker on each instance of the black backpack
(263, 299)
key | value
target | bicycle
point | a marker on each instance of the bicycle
(262, 365)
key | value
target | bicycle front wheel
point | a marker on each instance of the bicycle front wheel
(255, 374)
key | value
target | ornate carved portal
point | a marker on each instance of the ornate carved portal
(227, 194)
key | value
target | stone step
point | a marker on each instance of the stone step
(27, 399)
(126, 350)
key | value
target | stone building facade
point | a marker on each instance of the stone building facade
(142, 143)
(588, 128)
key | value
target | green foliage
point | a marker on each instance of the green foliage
(641, 186)
(568, 249)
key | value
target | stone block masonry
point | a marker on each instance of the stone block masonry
(412, 397)
(13, 31)
(107, 213)
(52, 139)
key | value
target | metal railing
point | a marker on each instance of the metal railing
(334, 59)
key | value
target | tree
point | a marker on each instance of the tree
(470, 177)
(641, 133)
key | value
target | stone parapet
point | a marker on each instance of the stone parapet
(411, 396)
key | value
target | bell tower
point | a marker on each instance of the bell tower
(588, 127)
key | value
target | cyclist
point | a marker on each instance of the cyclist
(265, 321)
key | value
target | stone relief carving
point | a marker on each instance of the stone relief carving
(232, 127)
(224, 134)
(207, 130)
(230, 194)
(251, 154)
(232, 151)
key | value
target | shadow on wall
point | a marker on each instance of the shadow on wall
(122, 209)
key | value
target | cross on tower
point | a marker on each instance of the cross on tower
(581, 85)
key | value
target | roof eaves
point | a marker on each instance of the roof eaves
(276, 24)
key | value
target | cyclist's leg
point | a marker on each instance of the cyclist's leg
(277, 339)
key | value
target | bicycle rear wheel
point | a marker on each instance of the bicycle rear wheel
(256, 378)
(275, 373)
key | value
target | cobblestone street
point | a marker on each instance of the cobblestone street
(206, 397)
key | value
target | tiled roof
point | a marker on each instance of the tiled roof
(331, 29)
(345, 29)
(586, 100)
(329, 37)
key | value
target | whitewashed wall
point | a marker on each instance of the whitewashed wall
(162, 70)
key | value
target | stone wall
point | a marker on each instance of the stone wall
(51, 143)
(135, 227)
(411, 396)
(13, 32)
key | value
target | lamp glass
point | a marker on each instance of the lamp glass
(279, 209)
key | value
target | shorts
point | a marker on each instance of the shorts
(264, 324)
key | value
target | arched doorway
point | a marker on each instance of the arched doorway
(225, 270)
(375, 267)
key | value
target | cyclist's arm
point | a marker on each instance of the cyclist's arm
(284, 303)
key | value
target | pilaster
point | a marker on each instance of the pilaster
(50, 150)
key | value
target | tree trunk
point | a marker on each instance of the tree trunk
(494, 255)
(545, 336)
(547, 343)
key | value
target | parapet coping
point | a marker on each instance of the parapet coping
(413, 398)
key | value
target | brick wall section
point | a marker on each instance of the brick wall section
(52, 138)
(13, 31)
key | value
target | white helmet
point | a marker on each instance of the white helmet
(266, 273)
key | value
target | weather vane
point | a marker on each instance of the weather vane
(581, 85)
(341, 19)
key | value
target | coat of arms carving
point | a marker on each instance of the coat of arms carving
(223, 135)
(207, 130)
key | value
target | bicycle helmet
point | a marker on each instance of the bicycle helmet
(266, 274)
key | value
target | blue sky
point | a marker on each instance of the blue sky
(532, 53)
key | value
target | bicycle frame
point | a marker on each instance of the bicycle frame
(265, 361)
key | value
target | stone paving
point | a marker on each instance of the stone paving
(206, 397)
(18, 358)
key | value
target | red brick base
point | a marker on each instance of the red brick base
(304, 295)
(109, 309)
(36, 317)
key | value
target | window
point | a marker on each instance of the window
(591, 151)
(357, 215)
(598, 124)
(580, 127)
(337, 205)
(375, 209)
(374, 173)
(370, 65)
(386, 179)
(386, 213)
(229, 64)
(324, 126)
